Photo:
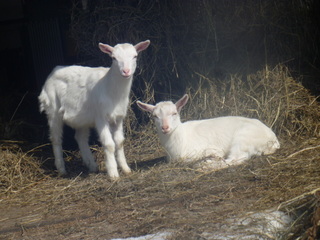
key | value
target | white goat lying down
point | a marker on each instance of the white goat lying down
(85, 97)
(235, 139)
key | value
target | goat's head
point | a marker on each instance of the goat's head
(166, 114)
(125, 56)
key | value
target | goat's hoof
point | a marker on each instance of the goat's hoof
(93, 170)
(127, 171)
(114, 178)
(62, 173)
(114, 175)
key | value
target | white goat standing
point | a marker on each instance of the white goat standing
(234, 138)
(85, 97)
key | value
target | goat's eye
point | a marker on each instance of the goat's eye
(113, 58)
(174, 114)
(135, 57)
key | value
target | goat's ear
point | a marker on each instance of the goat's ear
(181, 102)
(145, 107)
(142, 45)
(106, 48)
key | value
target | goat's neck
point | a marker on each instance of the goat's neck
(176, 135)
(116, 83)
(174, 142)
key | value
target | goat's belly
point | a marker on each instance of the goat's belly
(88, 119)
(203, 152)
(191, 153)
(78, 120)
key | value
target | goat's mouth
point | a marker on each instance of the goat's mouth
(126, 76)
(166, 131)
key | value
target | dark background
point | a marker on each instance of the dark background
(188, 37)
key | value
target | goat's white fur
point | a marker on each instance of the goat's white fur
(85, 97)
(233, 138)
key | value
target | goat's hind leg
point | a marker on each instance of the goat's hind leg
(82, 138)
(56, 131)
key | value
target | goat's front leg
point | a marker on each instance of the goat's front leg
(118, 138)
(103, 129)
(82, 137)
(238, 154)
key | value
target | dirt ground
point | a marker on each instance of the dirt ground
(158, 196)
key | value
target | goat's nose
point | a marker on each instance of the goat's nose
(165, 128)
(126, 72)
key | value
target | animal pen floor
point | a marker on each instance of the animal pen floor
(159, 196)
(177, 197)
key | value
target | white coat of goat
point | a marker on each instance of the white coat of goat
(233, 138)
(86, 97)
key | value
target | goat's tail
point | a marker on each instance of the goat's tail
(43, 100)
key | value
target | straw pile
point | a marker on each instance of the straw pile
(224, 55)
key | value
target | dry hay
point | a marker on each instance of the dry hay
(210, 37)
(159, 196)
(19, 170)
(272, 96)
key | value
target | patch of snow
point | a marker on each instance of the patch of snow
(264, 225)
(254, 226)
(156, 236)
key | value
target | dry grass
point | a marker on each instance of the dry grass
(271, 95)
(19, 170)
(179, 196)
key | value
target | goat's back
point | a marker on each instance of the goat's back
(78, 76)
(68, 91)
